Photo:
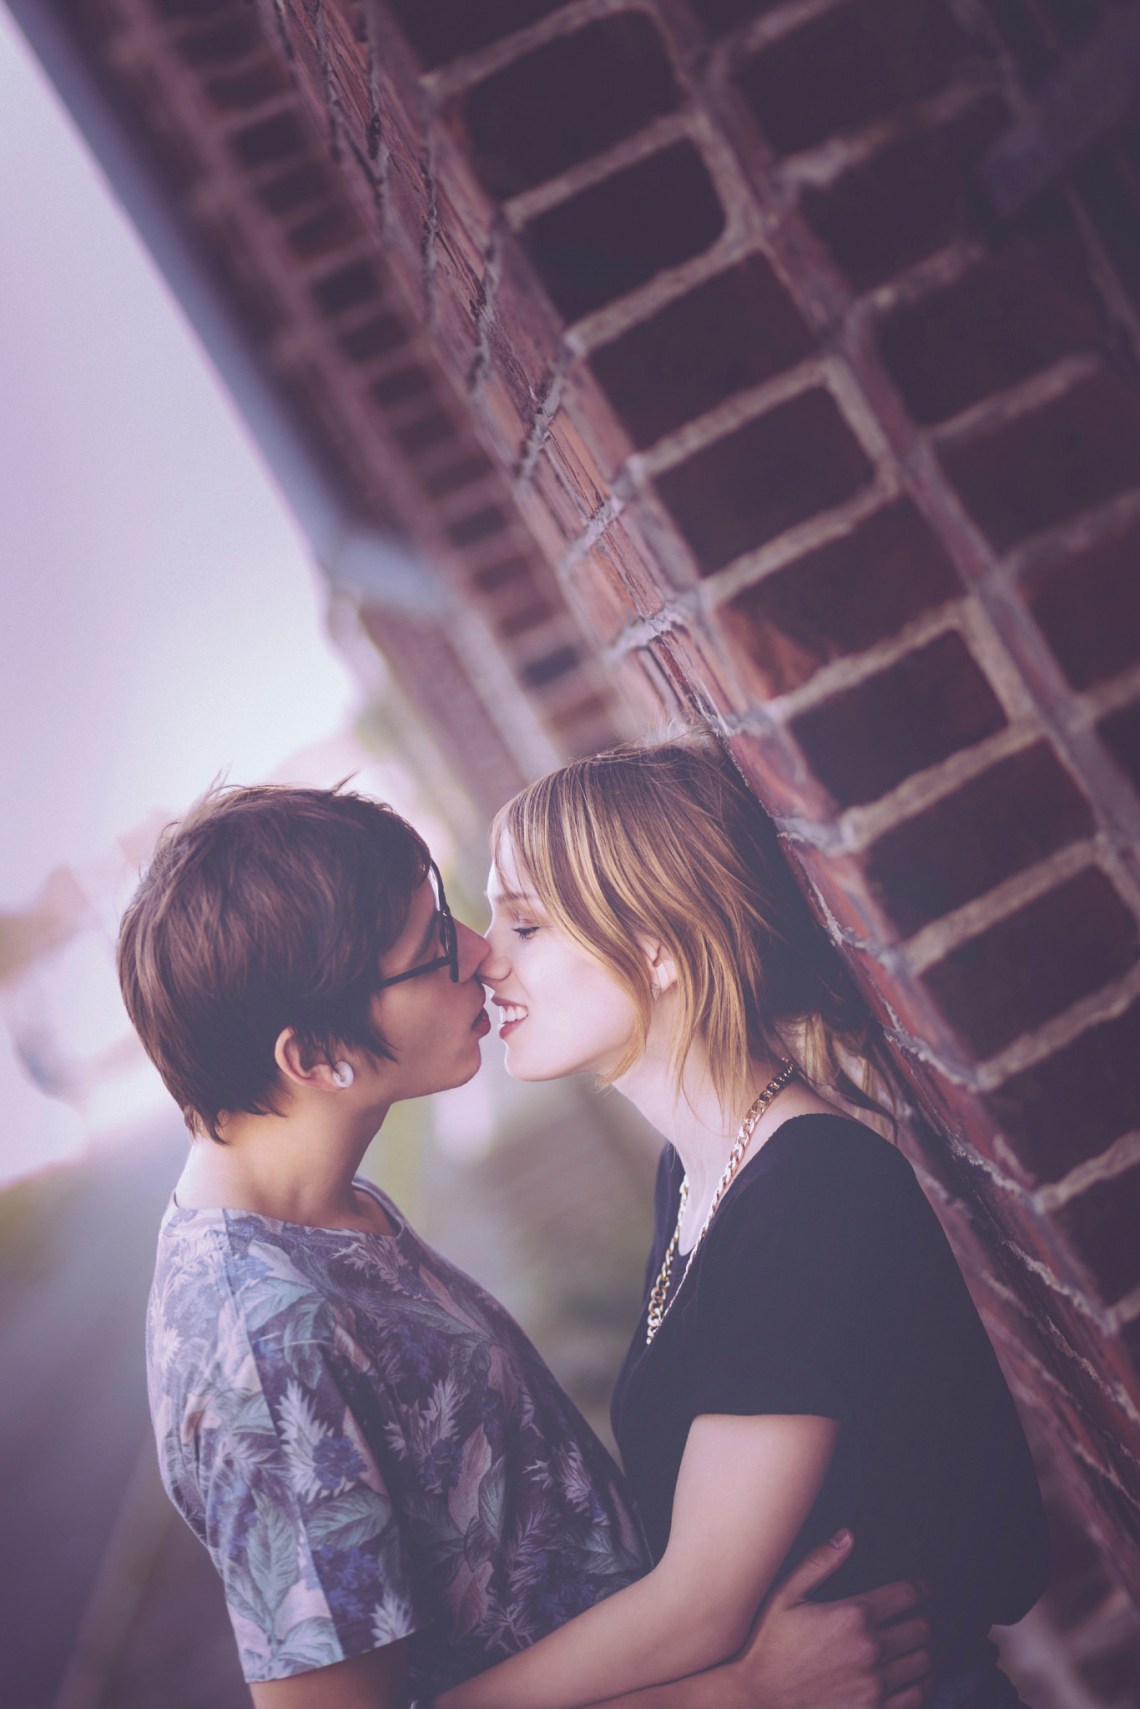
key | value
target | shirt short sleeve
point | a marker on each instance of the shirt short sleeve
(802, 1284)
(264, 1451)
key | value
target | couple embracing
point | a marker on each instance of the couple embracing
(827, 1498)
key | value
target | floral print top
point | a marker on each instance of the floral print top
(371, 1449)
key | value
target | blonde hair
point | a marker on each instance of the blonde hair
(665, 841)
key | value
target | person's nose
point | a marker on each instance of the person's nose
(472, 951)
(496, 964)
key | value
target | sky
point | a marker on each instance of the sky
(161, 621)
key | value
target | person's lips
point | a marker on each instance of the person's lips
(511, 1015)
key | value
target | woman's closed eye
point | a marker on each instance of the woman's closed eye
(524, 932)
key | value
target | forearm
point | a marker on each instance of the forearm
(716, 1688)
(653, 1634)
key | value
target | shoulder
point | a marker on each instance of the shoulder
(824, 1182)
(834, 1156)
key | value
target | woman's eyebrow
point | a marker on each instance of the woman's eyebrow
(511, 896)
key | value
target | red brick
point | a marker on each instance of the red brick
(346, 289)
(1120, 733)
(1007, 318)
(914, 197)
(865, 740)
(430, 430)
(309, 182)
(719, 16)
(1076, 1102)
(218, 43)
(852, 64)
(732, 332)
(763, 478)
(480, 525)
(1020, 810)
(779, 773)
(1072, 453)
(440, 30)
(1088, 605)
(332, 227)
(453, 477)
(1107, 186)
(609, 239)
(269, 139)
(503, 573)
(565, 101)
(549, 667)
(841, 598)
(237, 91)
(1035, 962)
(401, 384)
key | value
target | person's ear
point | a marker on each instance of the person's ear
(662, 967)
(302, 1066)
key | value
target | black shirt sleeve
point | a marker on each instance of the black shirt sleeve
(799, 1293)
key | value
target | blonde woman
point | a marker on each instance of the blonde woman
(808, 1357)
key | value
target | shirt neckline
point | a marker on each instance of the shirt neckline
(361, 1185)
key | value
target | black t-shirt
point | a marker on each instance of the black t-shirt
(826, 1286)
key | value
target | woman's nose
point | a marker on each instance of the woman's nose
(495, 964)
(478, 956)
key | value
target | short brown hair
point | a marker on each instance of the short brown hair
(263, 908)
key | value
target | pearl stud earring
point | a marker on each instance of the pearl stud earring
(342, 1073)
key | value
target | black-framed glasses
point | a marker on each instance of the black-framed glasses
(448, 937)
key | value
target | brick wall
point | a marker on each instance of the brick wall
(794, 352)
(823, 442)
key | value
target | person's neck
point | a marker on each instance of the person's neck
(298, 1167)
(694, 1119)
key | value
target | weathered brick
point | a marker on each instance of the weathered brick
(1020, 810)
(346, 289)
(227, 39)
(453, 477)
(1076, 451)
(541, 672)
(491, 577)
(719, 16)
(270, 139)
(865, 740)
(734, 331)
(1107, 186)
(1076, 1102)
(849, 65)
(841, 598)
(1120, 732)
(401, 384)
(440, 30)
(237, 91)
(1035, 962)
(480, 525)
(309, 182)
(1101, 1225)
(1088, 605)
(562, 102)
(609, 239)
(1007, 318)
(914, 197)
(763, 478)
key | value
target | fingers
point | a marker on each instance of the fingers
(907, 1681)
(815, 1568)
(904, 1637)
(890, 1601)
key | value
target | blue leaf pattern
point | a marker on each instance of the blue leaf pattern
(371, 1450)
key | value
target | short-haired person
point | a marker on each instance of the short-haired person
(394, 1489)
(808, 1356)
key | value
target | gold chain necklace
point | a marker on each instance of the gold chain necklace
(658, 1309)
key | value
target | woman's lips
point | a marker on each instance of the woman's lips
(512, 1016)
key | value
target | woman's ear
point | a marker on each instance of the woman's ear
(302, 1066)
(662, 967)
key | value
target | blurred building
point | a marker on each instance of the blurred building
(777, 364)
